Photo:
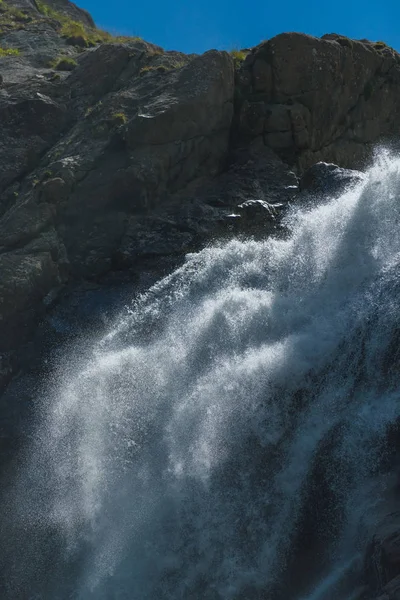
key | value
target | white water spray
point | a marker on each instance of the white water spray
(183, 459)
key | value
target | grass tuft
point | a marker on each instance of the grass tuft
(63, 63)
(119, 118)
(9, 52)
(12, 18)
(238, 56)
(162, 68)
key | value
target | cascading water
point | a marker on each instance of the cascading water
(225, 440)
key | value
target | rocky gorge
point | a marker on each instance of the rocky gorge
(118, 158)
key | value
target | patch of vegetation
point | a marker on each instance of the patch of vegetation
(238, 55)
(63, 63)
(90, 109)
(156, 52)
(161, 68)
(119, 118)
(148, 69)
(77, 33)
(47, 11)
(179, 64)
(99, 36)
(9, 52)
(121, 39)
(381, 46)
(12, 18)
(17, 14)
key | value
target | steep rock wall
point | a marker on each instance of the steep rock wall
(317, 99)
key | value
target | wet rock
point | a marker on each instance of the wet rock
(255, 209)
(328, 179)
(152, 237)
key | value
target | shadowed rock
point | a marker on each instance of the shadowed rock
(328, 179)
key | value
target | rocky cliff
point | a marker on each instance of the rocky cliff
(114, 153)
(112, 149)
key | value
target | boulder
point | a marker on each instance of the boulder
(328, 179)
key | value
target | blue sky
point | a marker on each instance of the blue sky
(191, 26)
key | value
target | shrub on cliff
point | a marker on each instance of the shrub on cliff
(238, 56)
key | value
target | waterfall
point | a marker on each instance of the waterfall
(228, 437)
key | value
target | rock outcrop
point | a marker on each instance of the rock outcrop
(328, 179)
(319, 99)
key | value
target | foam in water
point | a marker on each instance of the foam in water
(239, 405)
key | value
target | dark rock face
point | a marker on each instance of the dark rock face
(328, 179)
(86, 155)
(126, 157)
(319, 99)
